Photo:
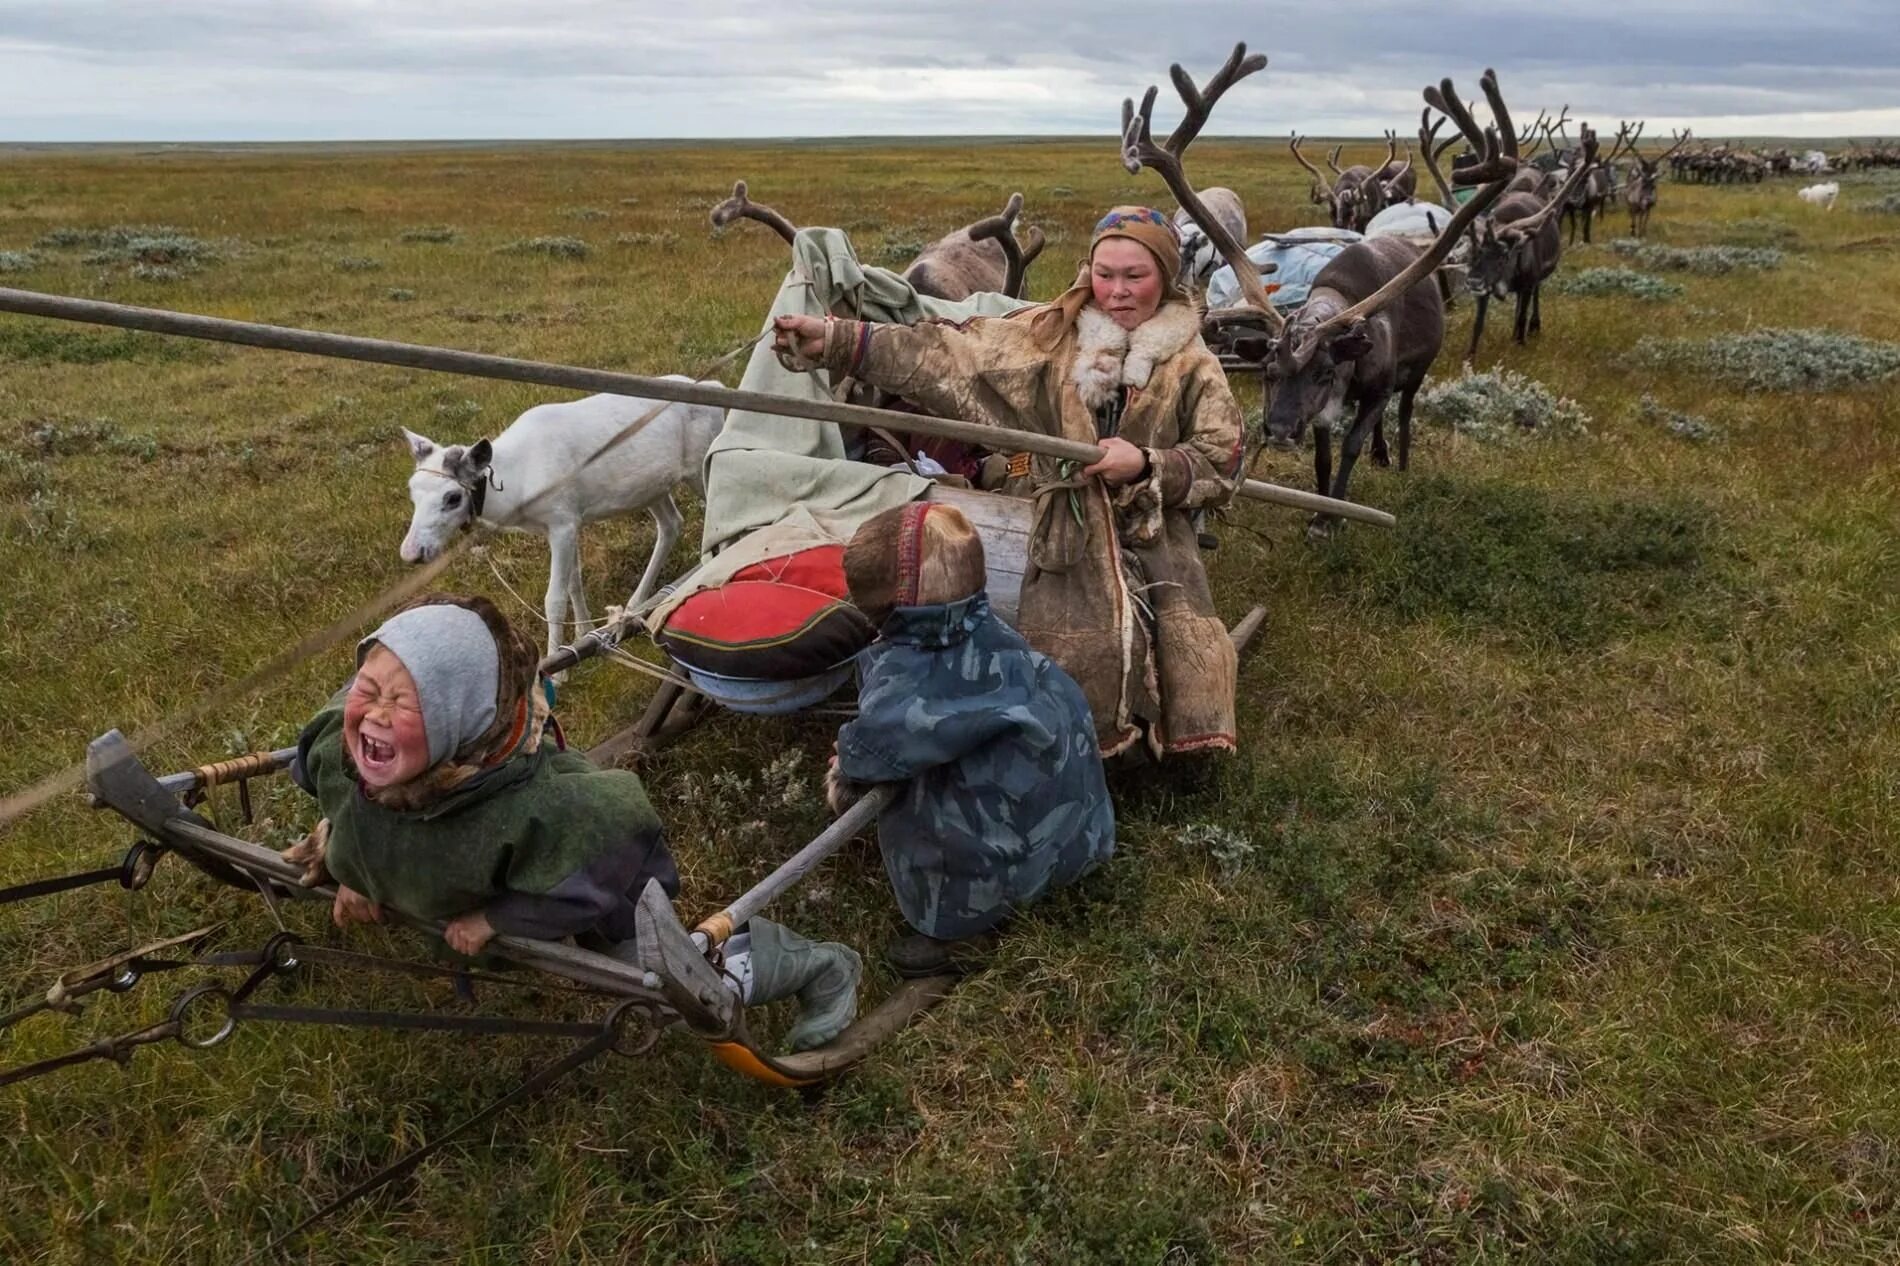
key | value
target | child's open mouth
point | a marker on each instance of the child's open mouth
(375, 753)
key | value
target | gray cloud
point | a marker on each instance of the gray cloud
(237, 69)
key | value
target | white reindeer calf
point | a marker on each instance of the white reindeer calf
(1822, 195)
(455, 485)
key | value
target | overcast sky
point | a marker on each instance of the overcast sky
(170, 70)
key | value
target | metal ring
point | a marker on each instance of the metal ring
(128, 976)
(140, 861)
(281, 952)
(187, 1001)
(618, 1021)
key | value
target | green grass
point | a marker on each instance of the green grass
(1548, 913)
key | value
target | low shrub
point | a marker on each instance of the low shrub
(1597, 282)
(1684, 426)
(1698, 259)
(554, 247)
(1498, 405)
(1777, 360)
(20, 261)
(435, 233)
(136, 245)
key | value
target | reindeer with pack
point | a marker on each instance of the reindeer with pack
(1368, 329)
(1358, 193)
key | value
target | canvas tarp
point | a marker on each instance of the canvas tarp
(761, 466)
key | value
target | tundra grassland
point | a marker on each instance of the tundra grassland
(1548, 913)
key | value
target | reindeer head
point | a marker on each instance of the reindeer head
(446, 488)
(1311, 369)
(1495, 255)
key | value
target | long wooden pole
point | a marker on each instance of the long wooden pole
(574, 378)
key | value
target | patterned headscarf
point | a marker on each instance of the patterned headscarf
(1138, 224)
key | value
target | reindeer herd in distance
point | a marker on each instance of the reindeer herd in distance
(1368, 328)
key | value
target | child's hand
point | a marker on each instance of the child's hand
(839, 790)
(309, 853)
(469, 933)
(352, 906)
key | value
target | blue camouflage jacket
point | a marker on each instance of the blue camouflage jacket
(1006, 797)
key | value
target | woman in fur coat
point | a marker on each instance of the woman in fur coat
(1114, 590)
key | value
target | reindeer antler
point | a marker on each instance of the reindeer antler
(1431, 152)
(1391, 148)
(1002, 229)
(1625, 142)
(1530, 225)
(738, 206)
(1390, 181)
(1139, 150)
(1498, 146)
(1680, 142)
(1321, 185)
(1332, 160)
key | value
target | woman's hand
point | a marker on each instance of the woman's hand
(800, 336)
(1122, 463)
(469, 933)
(352, 906)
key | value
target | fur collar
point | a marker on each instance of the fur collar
(1108, 357)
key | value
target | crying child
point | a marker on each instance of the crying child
(446, 793)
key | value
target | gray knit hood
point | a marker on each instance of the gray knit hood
(451, 654)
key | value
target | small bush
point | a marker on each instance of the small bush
(1499, 405)
(585, 213)
(436, 233)
(1684, 426)
(664, 240)
(157, 272)
(1698, 259)
(1887, 205)
(136, 245)
(358, 264)
(555, 247)
(1229, 849)
(19, 261)
(1061, 191)
(57, 439)
(1777, 360)
(399, 295)
(1615, 281)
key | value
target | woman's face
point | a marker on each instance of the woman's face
(382, 722)
(1126, 281)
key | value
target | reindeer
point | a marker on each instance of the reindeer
(506, 483)
(1640, 194)
(1359, 192)
(1199, 257)
(1367, 329)
(986, 257)
(1517, 248)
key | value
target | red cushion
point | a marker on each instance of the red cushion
(778, 620)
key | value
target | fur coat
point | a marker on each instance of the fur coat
(1114, 591)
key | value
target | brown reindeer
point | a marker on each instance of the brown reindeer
(1517, 247)
(1640, 194)
(1368, 329)
(1359, 192)
(986, 257)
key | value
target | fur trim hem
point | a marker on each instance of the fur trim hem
(1202, 743)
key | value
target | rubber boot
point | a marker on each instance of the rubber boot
(823, 975)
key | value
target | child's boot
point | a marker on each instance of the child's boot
(822, 974)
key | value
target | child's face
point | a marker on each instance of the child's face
(382, 722)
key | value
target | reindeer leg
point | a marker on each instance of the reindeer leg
(1322, 457)
(666, 531)
(577, 596)
(1381, 456)
(564, 545)
(1477, 326)
(1405, 426)
(1522, 321)
(1362, 425)
(1537, 308)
